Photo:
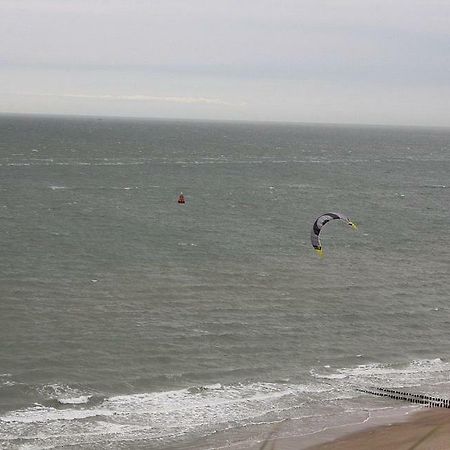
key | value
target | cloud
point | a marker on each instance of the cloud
(140, 98)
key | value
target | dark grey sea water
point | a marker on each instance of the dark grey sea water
(129, 321)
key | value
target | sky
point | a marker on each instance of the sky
(319, 61)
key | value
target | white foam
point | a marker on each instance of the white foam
(75, 400)
(333, 376)
(170, 415)
(155, 416)
(64, 394)
(56, 188)
(214, 386)
(425, 371)
(39, 414)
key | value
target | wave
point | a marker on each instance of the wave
(72, 163)
(155, 416)
(425, 372)
(57, 188)
(82, 399)
(436, 186)
(6, 381)
(71, 416)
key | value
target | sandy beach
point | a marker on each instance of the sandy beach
(424, 430)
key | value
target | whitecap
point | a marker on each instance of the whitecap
(38, 414)
(75, 400)
(157, 416)
(56, 188)
(425, 371)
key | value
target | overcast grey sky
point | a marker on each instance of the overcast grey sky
(339, 61)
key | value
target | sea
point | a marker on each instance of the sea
(129, 321)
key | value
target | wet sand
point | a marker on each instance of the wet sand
(427, 429)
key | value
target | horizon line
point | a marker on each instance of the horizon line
(230, 121)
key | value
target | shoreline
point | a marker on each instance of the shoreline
(420, 428)
(428, 429)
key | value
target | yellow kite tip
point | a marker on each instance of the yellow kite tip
(319, 251)
(353, 225)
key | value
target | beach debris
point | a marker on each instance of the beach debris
(421, 399)
(320, 222)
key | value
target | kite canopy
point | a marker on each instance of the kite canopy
(320, 222)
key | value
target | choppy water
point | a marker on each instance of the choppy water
(129, 321)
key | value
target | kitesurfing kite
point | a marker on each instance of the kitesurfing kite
(320, 222)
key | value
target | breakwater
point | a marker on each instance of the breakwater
(421, 399)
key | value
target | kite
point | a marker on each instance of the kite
(320, 222)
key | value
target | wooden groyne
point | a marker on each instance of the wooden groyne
(420, 399)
